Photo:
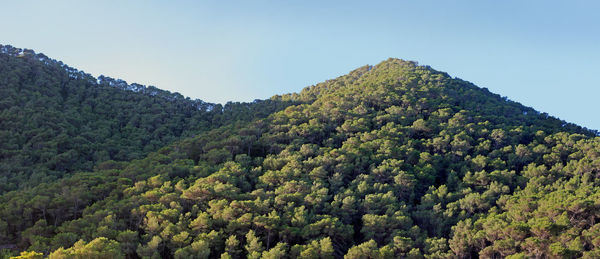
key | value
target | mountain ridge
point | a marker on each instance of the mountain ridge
(392, 160)
(100, 80)
(56, 119)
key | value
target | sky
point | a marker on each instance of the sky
(543, 54)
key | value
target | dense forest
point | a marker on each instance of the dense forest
(395, 160)
(55, 120)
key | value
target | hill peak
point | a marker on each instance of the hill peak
(394, 160)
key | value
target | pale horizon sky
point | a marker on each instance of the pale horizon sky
(543, 54)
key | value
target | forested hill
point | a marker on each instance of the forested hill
(390, 161)
(55, 120)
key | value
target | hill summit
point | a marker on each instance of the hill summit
(390, 161)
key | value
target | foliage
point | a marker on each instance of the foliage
(391, 161)
(56, 120)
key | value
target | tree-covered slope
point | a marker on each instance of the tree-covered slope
(391, 161)
(56, 120)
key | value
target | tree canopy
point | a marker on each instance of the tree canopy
(390, 161)
(56, 120)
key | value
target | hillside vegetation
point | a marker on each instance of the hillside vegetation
(55, 120)
(395, 160)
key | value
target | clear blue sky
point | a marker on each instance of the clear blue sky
(544, 54)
